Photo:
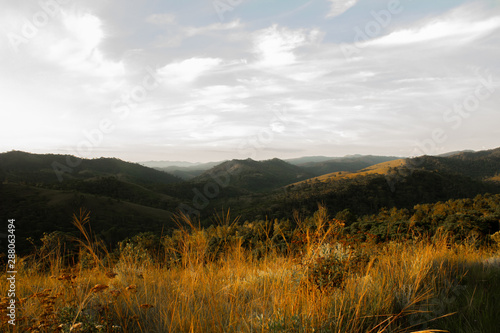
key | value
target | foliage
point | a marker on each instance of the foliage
(311, 276)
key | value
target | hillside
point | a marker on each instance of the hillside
(39, 210)
(365, 194)
(383, 168)
(255, 176)
(349, 164)
(478, 165)
(49, 168)
(126, 197)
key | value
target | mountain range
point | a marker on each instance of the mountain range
(44, 190)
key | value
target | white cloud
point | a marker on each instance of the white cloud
(187, 70)
(76, 46)
(339, 7)
(447, 30)
(275, 46)
(219, 78)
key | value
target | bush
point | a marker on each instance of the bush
(330, 265)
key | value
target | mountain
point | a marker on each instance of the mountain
(351, 164)
(189, 172)
(483, 165)
(50, 168)
(166, 164)
(179, 164)
(255, 176)
(383, 168)
(480, 165)
(400, 183)
(309, 159)
(126, 198)
(456, 152)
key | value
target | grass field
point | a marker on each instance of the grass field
(326, 284)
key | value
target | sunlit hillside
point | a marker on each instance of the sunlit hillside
(377, 169)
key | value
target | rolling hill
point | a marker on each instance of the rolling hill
(41, 210)
(377, 169)
(254, 176)
(478, 165)
(349, 164)
(51, 168)
(125, 198)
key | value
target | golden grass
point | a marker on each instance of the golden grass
(377, 169)
(400, 290)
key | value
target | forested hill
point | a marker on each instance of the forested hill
(17, 166)
(480, 165)
(125, 198)
(255, 176)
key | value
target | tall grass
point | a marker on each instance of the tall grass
(418, 286)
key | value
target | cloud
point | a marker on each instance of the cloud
(188, 70)
(339, 7)
(176, 34)
(220, 80)
(76, 46)
(275, 46)
(457, 30)
(161, 19)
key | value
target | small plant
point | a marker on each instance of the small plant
(330, 268)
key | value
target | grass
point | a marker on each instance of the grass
(417, 286)
(378, 169)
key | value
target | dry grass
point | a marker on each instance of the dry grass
(377, 169)
(404, 288)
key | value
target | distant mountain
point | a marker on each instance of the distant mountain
(189, 172)
(179, 164)
(309, 159)
(50, 168)
(452, 153)
(255, 176)
(313, 165)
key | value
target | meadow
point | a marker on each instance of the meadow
(316, 279)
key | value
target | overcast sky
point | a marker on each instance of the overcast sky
(207, 80)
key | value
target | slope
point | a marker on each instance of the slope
(39, 210)
(51, 168)
(254, 176)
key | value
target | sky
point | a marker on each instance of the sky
(209, 80)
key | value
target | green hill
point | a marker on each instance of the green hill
(350, 164)
(19, 166)
(478, 165)
(255, 176)
(39, 210)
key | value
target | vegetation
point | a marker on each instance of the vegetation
(402, 246)
(305, 275)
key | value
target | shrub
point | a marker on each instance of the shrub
(329, 266)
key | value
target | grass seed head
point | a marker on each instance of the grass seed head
(99, 288)
(76, 327)
(132, 288)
